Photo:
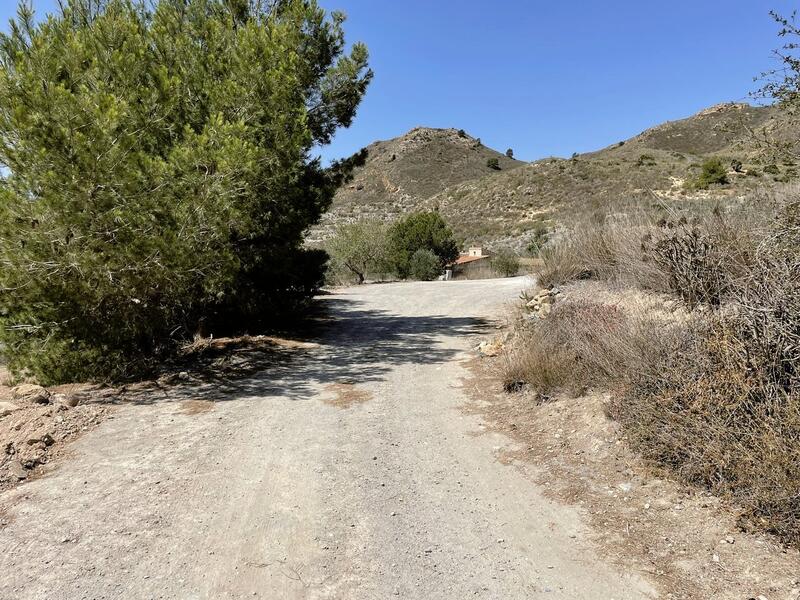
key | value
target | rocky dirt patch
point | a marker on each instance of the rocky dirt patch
(37, 423)
(686, 540)
(35, 426)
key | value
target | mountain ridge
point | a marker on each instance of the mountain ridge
(446, 169)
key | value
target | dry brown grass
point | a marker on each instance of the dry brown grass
(669, 251)
(608, 250)
(345, 394)
(585, 344)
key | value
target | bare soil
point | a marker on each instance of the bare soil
(34, 435)
(346, 395)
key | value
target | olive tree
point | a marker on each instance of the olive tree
(358, 248)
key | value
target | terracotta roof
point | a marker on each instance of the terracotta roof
(466, 258)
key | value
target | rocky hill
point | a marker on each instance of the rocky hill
(442, 169)
(720, 128)
(399, 174)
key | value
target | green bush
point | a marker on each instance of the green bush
(493, 163)
(420, 231)
(158, 182)
(506, 263)
(645, 160)
(424, 265)
(772, 169)
(712, 172)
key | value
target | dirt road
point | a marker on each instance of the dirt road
(348, 471)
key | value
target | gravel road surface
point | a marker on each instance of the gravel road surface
(347, 471)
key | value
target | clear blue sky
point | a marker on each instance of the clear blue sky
(546, 77)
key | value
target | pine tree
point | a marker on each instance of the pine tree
(158, 173)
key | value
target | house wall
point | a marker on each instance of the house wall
(478, 269)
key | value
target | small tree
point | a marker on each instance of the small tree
(424, 230)
(493, 163)
(358, 248)
(506, 263)
(510, 153)
(424, 265)
(712, 172)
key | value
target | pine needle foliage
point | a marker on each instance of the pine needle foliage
(157, 177)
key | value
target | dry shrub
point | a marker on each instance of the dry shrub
(703, 260)
(693, 257)
(723, 410)
(584, 344)
(609, 250)
(712, 420)
(715, 400)
(560, 264)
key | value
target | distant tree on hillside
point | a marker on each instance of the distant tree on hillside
(420, 231)
(493, 163)
(646, 160)
(510, 153)
(158, 173)
(712, 172)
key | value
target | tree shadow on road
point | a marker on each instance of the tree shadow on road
(342, 342)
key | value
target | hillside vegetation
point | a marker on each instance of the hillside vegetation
(438, 169)
(694, 328)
